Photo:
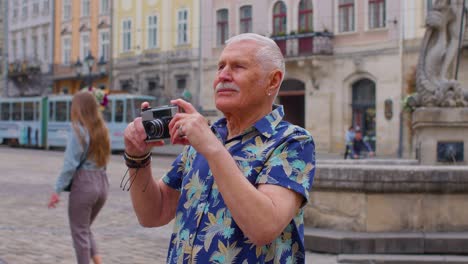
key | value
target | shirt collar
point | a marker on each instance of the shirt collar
(265, 126)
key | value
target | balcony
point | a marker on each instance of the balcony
(305, 44)
(23, 70)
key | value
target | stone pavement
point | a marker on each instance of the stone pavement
(32, 234)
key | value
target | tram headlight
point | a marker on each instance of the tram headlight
(156, 121)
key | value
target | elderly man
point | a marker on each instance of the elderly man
(238, 189)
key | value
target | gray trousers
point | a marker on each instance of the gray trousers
(87, 196)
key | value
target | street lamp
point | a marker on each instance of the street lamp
(86, 67)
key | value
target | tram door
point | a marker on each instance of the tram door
(291, 96)
(363, 107)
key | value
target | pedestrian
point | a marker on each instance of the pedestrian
(360, 146)
(86, 156)
(349, 137)
(237, 191)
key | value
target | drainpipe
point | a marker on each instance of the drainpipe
(460, 38)
(401, 49)
(51, 51)
(6, 39)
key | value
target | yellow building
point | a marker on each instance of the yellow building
(82, 35)
(156, 48)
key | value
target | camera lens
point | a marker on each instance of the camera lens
(154, 128)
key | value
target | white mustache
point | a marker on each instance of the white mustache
(227, 85)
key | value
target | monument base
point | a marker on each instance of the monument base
(440, 135)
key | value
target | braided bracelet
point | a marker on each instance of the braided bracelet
(137, 162)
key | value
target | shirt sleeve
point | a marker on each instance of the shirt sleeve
(73, 154)
(291, 165)
(173, 178)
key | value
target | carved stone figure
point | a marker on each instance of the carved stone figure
(434, 76)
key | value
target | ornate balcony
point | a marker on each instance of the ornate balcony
(305, 44)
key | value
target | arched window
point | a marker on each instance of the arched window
(245, 19)
(279, 18)
(306, 16)
(222, 32)
(364, 108)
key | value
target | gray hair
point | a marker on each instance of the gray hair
(269, 54)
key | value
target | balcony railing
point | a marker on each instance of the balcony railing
(305, 44)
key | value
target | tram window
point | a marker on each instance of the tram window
(37, 111)
(5, 107)
(119, 108)
(17, 111)
(61, 108)
(107, 112)
(51, 111)
(28, 111)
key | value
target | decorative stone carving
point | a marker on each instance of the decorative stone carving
(434, 84)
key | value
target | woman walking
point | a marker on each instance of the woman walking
(86, 156)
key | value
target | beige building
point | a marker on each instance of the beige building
(82, 45)
(156, 48)
(347, 62)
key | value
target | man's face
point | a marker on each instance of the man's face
(240, 83)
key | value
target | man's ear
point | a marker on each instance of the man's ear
(274, 82)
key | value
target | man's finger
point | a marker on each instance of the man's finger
(188, 107)
(145, 105)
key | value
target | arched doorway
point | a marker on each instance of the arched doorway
(291, 96)
(363, 107)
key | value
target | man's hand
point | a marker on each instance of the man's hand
(191, 128)
(135, 135)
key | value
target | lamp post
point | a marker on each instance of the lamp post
(85, 68)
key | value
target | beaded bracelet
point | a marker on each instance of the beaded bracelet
(137, 162)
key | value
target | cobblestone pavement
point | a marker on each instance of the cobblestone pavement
(30, 233)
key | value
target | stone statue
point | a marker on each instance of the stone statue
(434, 76)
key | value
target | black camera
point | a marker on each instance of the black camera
(156, 121)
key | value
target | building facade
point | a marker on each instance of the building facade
(156, 48)
(347, 62)
(82, 41)
(30, 47)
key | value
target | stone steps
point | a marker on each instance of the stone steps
(398, 243)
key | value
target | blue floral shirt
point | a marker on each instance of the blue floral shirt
(271, 152)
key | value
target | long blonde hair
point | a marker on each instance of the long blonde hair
(85, 112)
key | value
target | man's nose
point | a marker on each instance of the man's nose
(225, 74)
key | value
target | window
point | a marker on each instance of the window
(182, 26)
(85, 8)
(245, 19)
(104, 6)
(376, 14)
(126, 35)
(35, 9)
(24, 47)
(5, 110)
(15, 9)
(28, 111)
(306, 16)
(14, 47)
(152, 32)
(66, 50)
(25, 9)
(66, 9)
(429, 4)
(84, 45)
(346, 15)
(35, 44)
(104, 45)
(279, 18)
(119, 111)
(45, 7)
(17, 111)
(222, 27)
(45, 45)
